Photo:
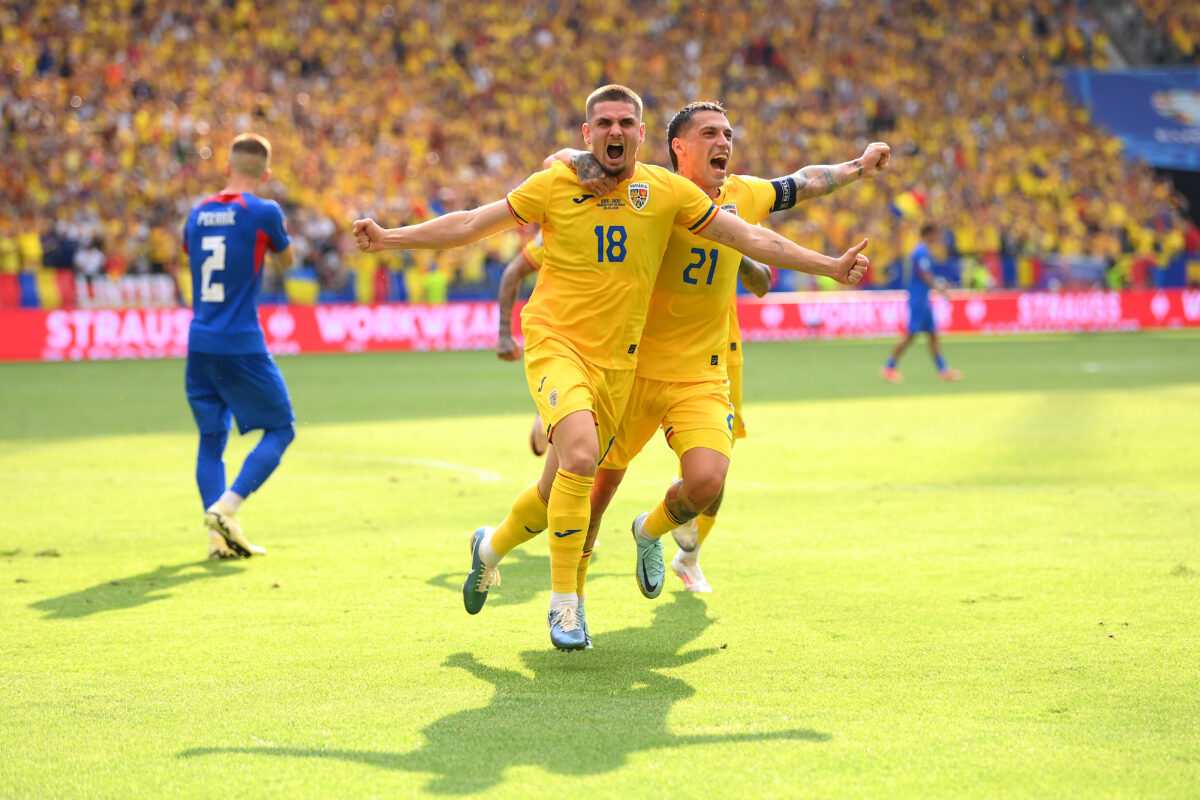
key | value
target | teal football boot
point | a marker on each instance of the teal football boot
(650, 568)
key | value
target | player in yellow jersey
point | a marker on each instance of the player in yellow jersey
(583, 324)
(684, 380)
(523, 264)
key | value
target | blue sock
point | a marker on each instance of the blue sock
(941, 363)
(210, 467)
(891, 363)
(263, 459)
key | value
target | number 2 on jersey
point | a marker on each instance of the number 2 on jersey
(210, 291)
(616, 243)
(698, 264)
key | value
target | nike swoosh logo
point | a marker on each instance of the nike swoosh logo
(583, 198)
(568, 533)
(646, 581)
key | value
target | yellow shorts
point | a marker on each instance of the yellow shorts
(562, 382)
(691, 415)
(735, 398)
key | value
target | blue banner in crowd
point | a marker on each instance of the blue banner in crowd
(1155, 112)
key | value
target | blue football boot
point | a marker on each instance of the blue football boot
(565, 631)
(480, 578)
(587, 635)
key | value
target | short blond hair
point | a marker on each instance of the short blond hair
(250, 155)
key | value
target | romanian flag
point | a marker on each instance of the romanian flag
(909, 203)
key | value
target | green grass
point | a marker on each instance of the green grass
(985, 589)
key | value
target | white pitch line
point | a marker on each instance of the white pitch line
(482, 474)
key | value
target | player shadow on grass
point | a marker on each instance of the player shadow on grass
(579, 713)
(523, 578)
(133, 591)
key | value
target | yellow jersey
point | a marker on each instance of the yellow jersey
(535, 251)
(602, 256)
(687, 335)
(735, 335)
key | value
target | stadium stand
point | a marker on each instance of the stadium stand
(116, 116)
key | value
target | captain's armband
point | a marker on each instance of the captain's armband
(785, 193)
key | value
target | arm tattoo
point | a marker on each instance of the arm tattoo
(831, 183)
(858, 164)
(587, 167)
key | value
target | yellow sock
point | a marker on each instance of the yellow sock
(525, 520)
(660, 521)
(585, 561)
(704, 524)
(568, 514)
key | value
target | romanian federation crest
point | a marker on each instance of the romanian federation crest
(639, 195)
(554, 398)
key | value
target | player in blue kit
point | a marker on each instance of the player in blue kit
(229, 371)
(920, 312)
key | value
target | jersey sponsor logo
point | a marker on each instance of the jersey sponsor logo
(553, 400)
(733, 345)
(731, 208)
(583, 198)
(632, 349)
(611, 203)
(214, 218)
(714, 361)
(639, 195)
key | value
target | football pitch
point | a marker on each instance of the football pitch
(988, 589)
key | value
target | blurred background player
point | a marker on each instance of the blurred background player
(682, 382)
(920, 312)
(229, 371)
(527, 261)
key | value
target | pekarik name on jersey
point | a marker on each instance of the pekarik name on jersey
(213, 219)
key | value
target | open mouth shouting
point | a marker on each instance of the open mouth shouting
(615, 152)
(719, 162)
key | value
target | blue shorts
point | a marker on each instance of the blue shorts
(920, 319)
(249, 386)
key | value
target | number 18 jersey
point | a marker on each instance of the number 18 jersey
(226, 237)
(602, 256)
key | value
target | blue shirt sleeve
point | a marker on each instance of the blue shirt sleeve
(276, 228)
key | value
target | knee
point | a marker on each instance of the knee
(579, 459)
(282, 437)
(702, 490)
(213, 444)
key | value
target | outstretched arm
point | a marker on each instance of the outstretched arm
(822, 179)
(766, 245)
(449, 230)
(510, 281)
(755, 277)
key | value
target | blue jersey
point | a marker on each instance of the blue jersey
(226, 237)
(922, 265)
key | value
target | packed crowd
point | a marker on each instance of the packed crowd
(116, 116)
(1176, 27)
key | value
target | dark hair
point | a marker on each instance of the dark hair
(679, 123)
(613, 91)
(927, 229)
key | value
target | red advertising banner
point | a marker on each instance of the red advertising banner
(99, 334)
